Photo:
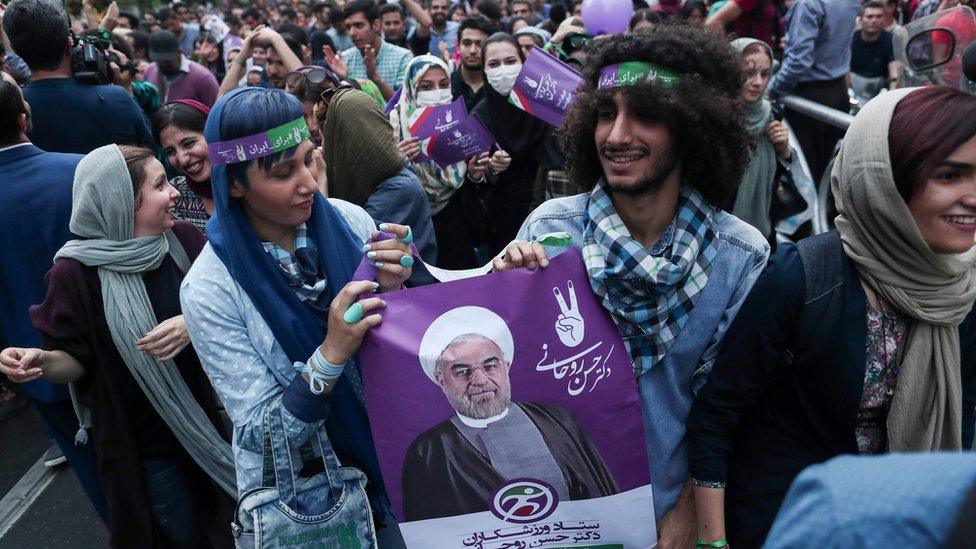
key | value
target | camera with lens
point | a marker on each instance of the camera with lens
(90, 59)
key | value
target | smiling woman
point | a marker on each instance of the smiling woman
(111, 323)
(178, 128)
(859, 340)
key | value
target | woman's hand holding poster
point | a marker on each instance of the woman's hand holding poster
(506, 415)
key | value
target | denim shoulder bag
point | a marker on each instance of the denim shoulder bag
(329, 509)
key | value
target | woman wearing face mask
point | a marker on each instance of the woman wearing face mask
(455, 192)
(178, 128)
(364, 167)
(112, 325)
(517, 132)
(771, 154)
(858, 341)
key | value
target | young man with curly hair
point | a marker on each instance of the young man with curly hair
(657, 134)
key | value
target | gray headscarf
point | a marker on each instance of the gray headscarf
(936, 290)
(103, 214)
(755, 194)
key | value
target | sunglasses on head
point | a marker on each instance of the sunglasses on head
(312, 75)
(326, 97)
(577, 41)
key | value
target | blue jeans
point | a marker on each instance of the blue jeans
(175, 503)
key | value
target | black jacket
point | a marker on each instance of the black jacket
(786, 387)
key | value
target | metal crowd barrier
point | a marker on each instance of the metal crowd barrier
(823, 212)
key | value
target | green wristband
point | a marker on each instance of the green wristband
(717, 543)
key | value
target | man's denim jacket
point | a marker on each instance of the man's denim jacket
(667, 389)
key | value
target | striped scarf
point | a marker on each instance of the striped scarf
(650, 297)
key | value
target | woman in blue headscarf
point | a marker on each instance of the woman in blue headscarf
(270, 304)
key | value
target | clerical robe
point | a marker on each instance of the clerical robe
(445, 475)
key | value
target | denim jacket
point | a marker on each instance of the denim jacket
(667, 389)
(245, 363)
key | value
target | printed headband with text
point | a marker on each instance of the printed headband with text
(288, 135)
(631, 73)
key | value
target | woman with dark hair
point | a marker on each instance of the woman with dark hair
(178, 129)
(113, 327)
(644, 19)
(694, 12)
(270, 303)
(517, 132)
(209, 52)
(858, 341)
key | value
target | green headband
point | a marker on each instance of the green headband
(631, 73)
(288, 135)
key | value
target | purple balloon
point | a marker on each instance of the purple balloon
(607, 16)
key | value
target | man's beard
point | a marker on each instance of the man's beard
(652, 182)
(483, 409)
(476, 67)
(438, 20)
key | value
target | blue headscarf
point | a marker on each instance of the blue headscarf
(294, 326)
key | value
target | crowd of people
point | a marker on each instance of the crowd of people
(198, 284)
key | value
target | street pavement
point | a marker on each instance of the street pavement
(60, 515)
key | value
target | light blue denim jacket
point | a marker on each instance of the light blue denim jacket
(245, 363)
(667, 389)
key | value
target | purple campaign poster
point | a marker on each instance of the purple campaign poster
(427, 121)
(505, 414)
(545, 87)
(462, 141)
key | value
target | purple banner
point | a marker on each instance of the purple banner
(428, 121)
(545, 87)
(504, 408)
(464, 140)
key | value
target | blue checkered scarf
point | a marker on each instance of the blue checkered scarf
(301, 270)
(650, 297)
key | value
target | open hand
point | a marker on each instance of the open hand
(369, 59)
(336, 62)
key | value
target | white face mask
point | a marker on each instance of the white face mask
(432, 98)
(502, 78)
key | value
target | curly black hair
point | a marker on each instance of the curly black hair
(703, 112)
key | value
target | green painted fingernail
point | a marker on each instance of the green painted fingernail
(384, 226)
(353, 314)
(409, 238)
(406, 261)
(367, 247)
(371, 255)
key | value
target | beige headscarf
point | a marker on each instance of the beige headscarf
(936, 290)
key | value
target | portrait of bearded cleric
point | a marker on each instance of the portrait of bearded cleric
(454, 467)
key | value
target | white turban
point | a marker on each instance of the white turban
(459, 322)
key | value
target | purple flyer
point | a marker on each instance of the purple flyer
(464, 140)
(505, 410)
(546, 87)
(427, 121)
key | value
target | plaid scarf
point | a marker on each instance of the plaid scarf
(301, 270)
(650, 297)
